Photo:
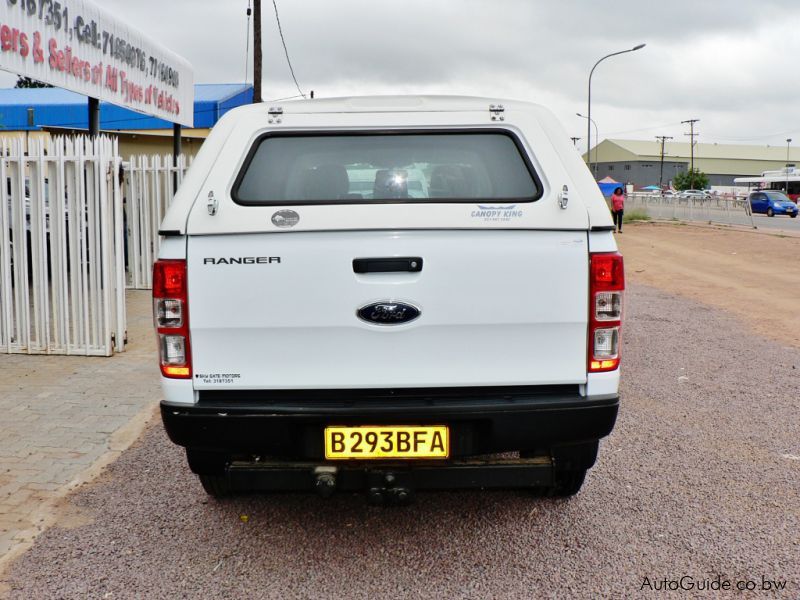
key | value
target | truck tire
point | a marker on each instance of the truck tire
(567, 483)
(571, 463)
(216, 486)
(205, 462)
(210, 468)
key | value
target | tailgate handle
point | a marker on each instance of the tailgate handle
(396, 264)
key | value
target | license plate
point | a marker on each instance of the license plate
(382, 442)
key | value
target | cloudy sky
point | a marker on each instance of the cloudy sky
(731, 64)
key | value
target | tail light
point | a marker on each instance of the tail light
(171, 317)
(606, 285)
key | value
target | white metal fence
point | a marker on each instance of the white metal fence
(149, 182)
(719, 209)
(62, 275)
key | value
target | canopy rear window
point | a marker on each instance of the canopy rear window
(381, 168)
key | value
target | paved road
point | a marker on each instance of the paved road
(700, 479)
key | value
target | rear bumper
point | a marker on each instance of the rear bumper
(289, 424)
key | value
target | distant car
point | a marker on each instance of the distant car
(694, 194)
(772, 203)
(669, 193)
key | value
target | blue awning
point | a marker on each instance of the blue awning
(56, 107)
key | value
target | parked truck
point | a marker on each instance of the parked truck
(452, 323)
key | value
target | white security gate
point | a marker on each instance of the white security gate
(62, 277)
(149, 188)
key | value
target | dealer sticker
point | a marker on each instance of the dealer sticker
(218, 378)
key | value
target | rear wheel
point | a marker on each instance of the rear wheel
(567, 483)
(211, 467)
(207, 462)
(770, 212)
(570, 464)
(217, 486)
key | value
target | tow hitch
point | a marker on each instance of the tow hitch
(386, 488)
(390, 484)
(383, 487)
(326, 481)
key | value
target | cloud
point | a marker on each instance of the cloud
(727, 63)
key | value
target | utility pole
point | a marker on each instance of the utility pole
(94, 117)
(256, 51)
(176, 153)
(575, 140)
(692, 135)
(663, 139)
(788, 143)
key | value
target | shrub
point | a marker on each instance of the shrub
(635, 215)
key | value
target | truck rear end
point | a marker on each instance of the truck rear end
(383, 294)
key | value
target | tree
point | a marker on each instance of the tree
(28, 82)
(693, 179)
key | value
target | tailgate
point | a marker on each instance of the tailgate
(279, 311)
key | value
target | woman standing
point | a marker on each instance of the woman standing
(618, 208)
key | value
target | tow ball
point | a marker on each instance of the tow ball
(325, 483)
(385, 489)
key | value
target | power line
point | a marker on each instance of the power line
(289, 97)
(283, 41)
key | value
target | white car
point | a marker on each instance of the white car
(317, 332)
(696, 194)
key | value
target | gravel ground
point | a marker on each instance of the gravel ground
(700, 479)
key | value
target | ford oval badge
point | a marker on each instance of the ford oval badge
(388, 313)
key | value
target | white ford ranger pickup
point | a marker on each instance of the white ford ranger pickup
(389, 294)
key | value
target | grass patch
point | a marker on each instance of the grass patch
(635, 215)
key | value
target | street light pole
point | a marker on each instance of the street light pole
(589, 107)
(589, 148)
